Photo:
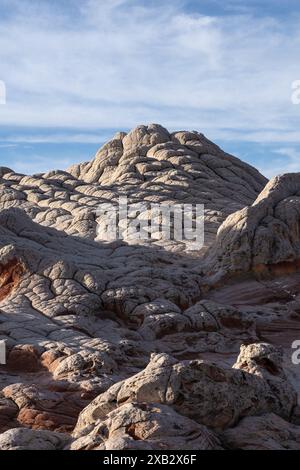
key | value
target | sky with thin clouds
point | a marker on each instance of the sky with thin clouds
(78, 71)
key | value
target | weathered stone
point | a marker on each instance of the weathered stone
(27, 439)
(209, 394)
(266, 432)
(147, 426)
(81, 315)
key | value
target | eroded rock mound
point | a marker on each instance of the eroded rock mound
(141, 344)
(264, 237)
(147, 165)
(203, 391)
(146, 426)
(26, 439)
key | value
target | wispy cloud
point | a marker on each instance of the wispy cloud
(98, 64)
(54, 138)
(121, 63)
(39, 164)
(286, 160)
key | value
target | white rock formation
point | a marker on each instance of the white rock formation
(126, 344)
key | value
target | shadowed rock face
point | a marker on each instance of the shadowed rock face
(81, 317)
(265, 432)
(264, 237)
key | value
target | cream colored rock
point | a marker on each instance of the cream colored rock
(81, 316)
(263, 237)
(147, 426)
(26, 439)
(209, 394)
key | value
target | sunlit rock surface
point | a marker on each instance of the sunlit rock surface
(128, 344)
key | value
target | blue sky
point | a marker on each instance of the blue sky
(78, 71)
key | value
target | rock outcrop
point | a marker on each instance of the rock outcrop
(26, 439)
(144, 344)
(211, 395)
(262, 238)
(149, 427)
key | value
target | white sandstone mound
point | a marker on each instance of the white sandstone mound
(128, 344)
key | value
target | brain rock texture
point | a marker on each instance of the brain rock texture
(144, 344)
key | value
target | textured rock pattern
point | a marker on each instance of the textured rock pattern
(266, 432)
(145, 345)
(146, 426)
(263, 237)
(211, 395)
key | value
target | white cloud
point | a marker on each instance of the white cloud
(6, 146)
(288, 162)
(116, 64)
(39, 164)
(54, 138)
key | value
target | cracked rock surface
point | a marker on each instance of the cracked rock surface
(144, 344)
